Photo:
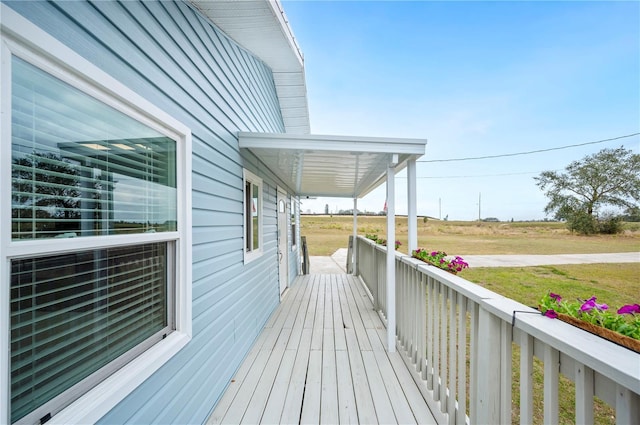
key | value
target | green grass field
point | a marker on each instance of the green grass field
(325, 234)
(615, 284)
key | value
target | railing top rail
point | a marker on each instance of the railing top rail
(469, 289)
(618, 363)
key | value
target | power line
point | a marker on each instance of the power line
(474, 176)
(529, 152)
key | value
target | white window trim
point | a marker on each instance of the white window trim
(248, 176)
(22, 38)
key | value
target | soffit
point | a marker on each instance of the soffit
(261, 27)
(335, 166)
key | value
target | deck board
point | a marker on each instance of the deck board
(321, 359)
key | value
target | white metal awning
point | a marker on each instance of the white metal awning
(335, 166)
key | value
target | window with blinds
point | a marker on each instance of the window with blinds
(82, 168)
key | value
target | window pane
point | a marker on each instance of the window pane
(255, 191)
(81, 168)
(72, 314)
(248, 227)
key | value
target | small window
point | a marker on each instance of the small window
(252, 216)
(294, 235)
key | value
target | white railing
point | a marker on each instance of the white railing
(459, 339)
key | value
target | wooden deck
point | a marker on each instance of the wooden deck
(322, 359)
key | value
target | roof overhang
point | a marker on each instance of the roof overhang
(261, 27)
(334, 166)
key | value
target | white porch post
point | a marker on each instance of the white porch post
(354, 251)
(412, 214)
(391, 257)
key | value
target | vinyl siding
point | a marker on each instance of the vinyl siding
(171, 56)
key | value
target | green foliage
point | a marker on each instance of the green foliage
(440, 260)
(610, 225)
(586, 224)
(625, 321)
(610, 177)
(582, 222)
(371, 236)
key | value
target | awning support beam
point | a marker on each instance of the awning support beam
(391, 256)
(354, 251)
(412, 215)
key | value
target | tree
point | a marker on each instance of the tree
(610, 177)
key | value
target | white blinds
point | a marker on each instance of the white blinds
(73, 314)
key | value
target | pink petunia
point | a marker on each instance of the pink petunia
(629, 309)
(556, 297)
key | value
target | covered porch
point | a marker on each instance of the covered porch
(400, 342)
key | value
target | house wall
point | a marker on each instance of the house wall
(174, 58)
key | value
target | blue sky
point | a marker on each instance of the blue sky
(475, 79)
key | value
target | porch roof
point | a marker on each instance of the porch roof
(335, 166)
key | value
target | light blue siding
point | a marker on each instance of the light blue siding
(171, 56)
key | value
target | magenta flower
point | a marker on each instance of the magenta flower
(590, 304)
(434, 253)
(556, 297)
(629, 309)
(551, 314)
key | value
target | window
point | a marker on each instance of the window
(294, 235)
(252, 216)
(98, 245)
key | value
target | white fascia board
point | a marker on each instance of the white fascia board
(313, 142)
(278, 12)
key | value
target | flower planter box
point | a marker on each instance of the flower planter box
(625, 341)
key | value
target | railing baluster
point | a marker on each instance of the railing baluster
(526, 379)
(506, 368)
(430, 340)
(627, 406)
(436, 340)
(451, 404)
(584, 394)
(551, 371)
(488, 369)
(473, 367)
(417, 313)
(422, 328)
(443, 347)
(461, 413)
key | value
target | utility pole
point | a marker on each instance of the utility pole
(479, 206)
